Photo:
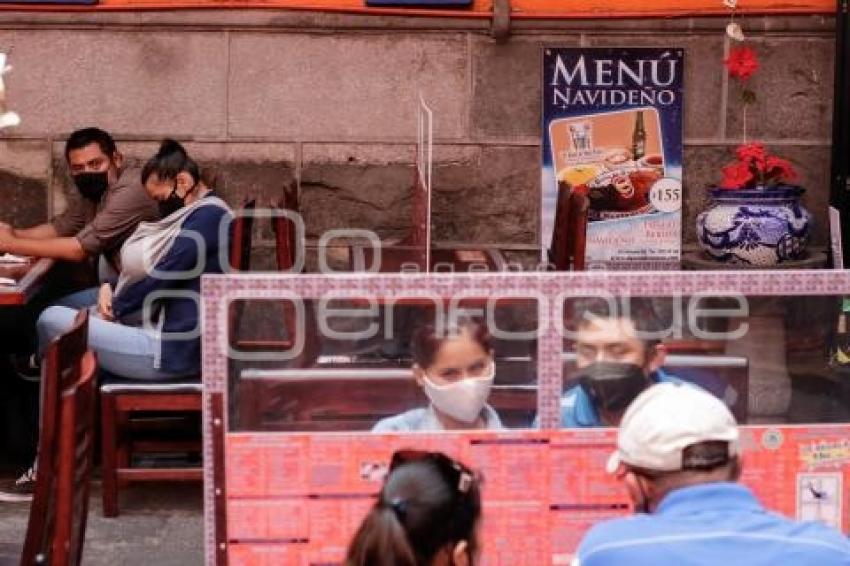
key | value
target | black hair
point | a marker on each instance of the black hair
(417, 514)
(428, 338)
(702, 457)
(87, 136)
(650, 316)
(169, 161)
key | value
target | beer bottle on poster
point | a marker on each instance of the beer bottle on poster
(639, 137)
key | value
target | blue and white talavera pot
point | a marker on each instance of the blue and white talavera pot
(759, 227)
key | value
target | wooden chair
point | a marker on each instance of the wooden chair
(142, 417)
(57, 520)
(285, 233)
(569, 234)
(354, 399)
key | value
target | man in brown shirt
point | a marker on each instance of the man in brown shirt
(108, 206)
(102, 213)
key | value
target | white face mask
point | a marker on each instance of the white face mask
(461, 400)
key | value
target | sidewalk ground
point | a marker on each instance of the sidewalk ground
(159, 525)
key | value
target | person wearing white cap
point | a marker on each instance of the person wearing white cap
(679, 455)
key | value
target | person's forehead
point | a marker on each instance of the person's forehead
(458, 349)
(153, 179)
(86, 153)
(603, 329)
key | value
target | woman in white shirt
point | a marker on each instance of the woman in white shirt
(455, 369)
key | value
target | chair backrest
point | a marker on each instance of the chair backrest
(241, 238)
(569, 234)
(57, 520)
(285, 232)
(579, 204)
(559, 253)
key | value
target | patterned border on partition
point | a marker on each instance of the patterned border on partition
(219, 290)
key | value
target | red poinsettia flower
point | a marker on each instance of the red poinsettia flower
(779, 169)
(752, 154)
(742, 62)
(736, 176)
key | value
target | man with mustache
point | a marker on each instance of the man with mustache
(109, 205)
(102, 213)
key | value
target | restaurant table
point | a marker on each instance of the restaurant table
(29, 277)
(402, 258)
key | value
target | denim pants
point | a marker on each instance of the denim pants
(125, 351)
(79, 300)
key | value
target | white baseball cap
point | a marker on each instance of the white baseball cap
(667, 418)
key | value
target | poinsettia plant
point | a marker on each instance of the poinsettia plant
(756, 169)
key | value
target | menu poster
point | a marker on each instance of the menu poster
(612, 132)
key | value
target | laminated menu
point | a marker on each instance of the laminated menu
(298, 498)
(612, 136)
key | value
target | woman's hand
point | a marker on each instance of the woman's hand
(104, 302)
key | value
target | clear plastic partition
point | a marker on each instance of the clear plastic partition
(312, 381)
(375, 363)
(772, 359)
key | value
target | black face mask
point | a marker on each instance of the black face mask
(612, 385)
(174, 202)
(92, 185)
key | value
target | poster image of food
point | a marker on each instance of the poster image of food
(612, 138)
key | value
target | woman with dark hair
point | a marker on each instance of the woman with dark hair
(426, 515)
(147, 327)
(454, 367)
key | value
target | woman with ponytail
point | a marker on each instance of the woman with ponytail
(426, 515)
(147, 326)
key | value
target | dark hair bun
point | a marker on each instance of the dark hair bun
(170, 147)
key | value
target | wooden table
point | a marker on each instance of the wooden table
(401, 258)
(29, 277)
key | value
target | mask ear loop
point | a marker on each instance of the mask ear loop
(173, 192)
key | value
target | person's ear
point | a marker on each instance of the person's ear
(184, 182)
(657, 357)
(641, 491)
(118, 159)
(460, 554)
(630, 480)
(418, 375)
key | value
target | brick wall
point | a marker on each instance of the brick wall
(271, 98)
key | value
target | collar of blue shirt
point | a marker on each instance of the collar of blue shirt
(706, 497)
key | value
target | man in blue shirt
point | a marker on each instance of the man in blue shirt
(678, 455)
(618, 355)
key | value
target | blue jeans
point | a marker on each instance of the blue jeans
(125, 351)
(79, 300)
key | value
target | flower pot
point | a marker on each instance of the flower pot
(762, 226)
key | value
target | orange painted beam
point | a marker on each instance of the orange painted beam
(522, 9)
(662, 8)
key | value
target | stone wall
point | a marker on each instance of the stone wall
(271, 98)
